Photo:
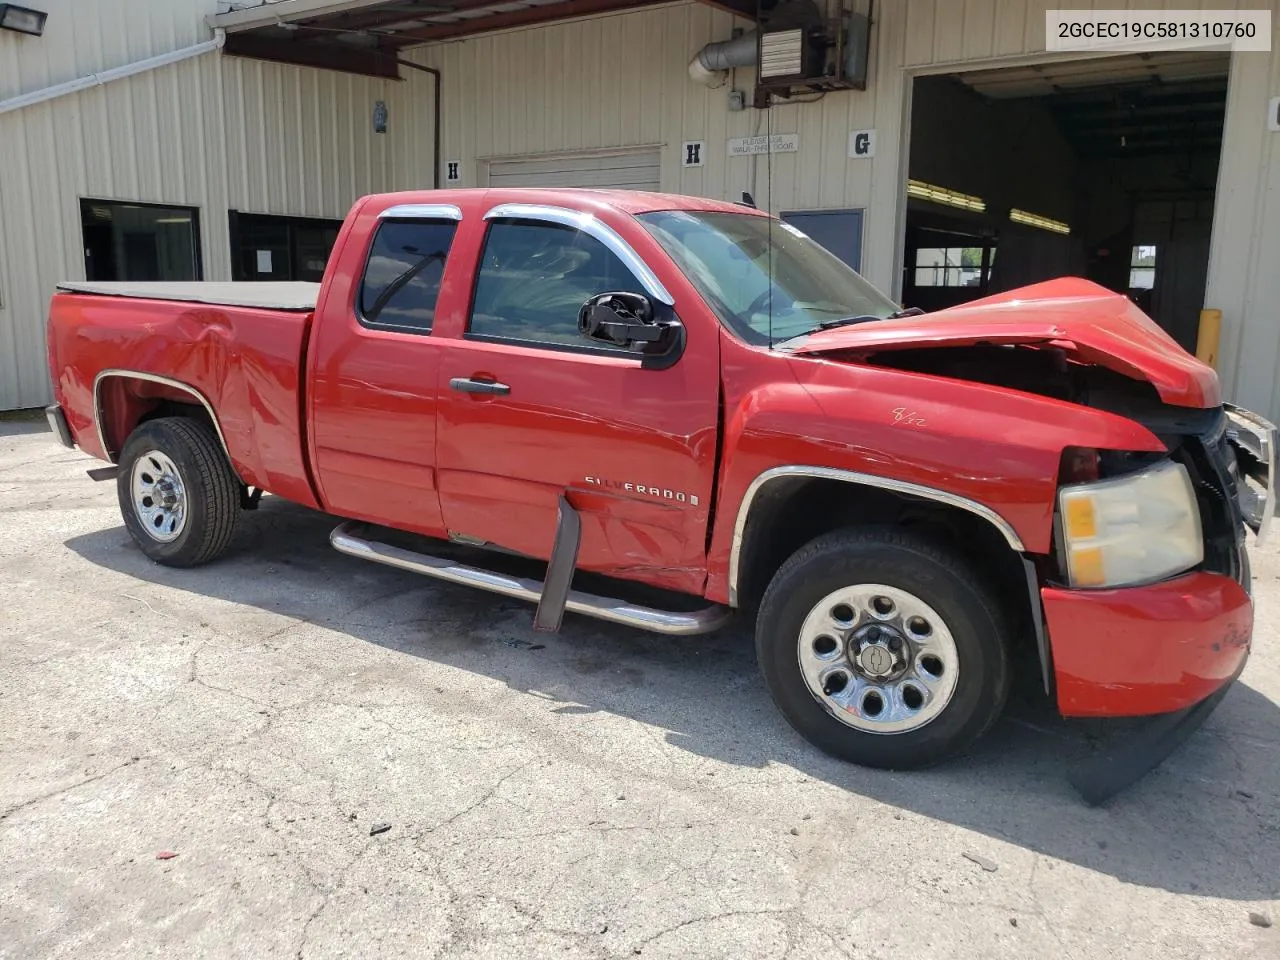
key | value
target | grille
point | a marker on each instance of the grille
(1211, 462)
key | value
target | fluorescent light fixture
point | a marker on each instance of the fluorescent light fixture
(173, 220)
(22, 19)
(952, 198)
(1035, 220)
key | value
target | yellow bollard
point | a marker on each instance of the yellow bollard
(1210, 333)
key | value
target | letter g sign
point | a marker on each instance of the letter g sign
(862, 144)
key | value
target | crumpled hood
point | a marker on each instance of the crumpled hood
(1091, 322)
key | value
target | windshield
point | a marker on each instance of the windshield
(730, 258)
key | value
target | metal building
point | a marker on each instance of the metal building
(183, 138)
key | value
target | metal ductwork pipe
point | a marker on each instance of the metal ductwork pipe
(715, 58)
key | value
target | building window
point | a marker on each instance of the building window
(140, 241)
(1142, 268)
(402, 278)
(280, 248)
(952, 266)
(534, 279)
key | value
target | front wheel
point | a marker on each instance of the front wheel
(178, 493)
(883, 649)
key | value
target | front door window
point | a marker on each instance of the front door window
(533, 280)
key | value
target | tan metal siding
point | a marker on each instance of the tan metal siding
(568, 87)
(951, 31)
(214, 132)
(42, 149)
(1244, 281)
(87, 36)
(301, 141)
(564, 87)
(219, 132)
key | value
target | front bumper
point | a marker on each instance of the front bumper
(1137, 651)
(1102, 777)
(1168, 652)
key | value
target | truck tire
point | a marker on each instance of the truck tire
(178, 494)
(883, 649)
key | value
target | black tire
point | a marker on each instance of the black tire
(211, 491)
(918, 566)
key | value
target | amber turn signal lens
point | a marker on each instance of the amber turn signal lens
(1079, 518)
(1087, 569)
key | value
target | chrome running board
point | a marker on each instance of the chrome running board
(345, 539)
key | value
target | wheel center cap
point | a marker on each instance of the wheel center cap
(876, 660)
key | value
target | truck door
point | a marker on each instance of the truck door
(374, 370)
(530, 409)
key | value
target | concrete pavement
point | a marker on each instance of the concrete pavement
(598, 793)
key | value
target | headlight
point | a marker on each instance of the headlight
(1133, 529)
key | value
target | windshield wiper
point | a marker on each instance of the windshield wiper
(849, 321)
(867, 317)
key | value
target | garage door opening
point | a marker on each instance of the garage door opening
(1104, 168)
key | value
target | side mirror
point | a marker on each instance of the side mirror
(627, 319)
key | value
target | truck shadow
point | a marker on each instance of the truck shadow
(1207, 821)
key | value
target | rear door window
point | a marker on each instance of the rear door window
(402, 277)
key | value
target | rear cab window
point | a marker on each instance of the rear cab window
(402, 276)
(534, 278)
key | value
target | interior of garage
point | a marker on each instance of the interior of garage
(1104, 168)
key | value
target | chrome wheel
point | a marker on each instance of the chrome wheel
(159, 497)
(879, 659)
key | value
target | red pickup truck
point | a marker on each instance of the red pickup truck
(693, 399)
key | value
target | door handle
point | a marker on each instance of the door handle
(467, 385)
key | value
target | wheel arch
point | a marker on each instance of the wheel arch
(112, 433)
(899, 488)
(786, 507)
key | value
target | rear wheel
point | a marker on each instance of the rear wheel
(178, 494)
(883, 649)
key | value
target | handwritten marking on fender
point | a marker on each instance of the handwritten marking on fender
(908, 418)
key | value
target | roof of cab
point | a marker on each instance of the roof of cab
(577, 198)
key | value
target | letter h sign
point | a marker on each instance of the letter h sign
(693, 151)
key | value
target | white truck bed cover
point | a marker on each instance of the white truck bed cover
(272, 295)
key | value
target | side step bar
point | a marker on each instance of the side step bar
(346, 539)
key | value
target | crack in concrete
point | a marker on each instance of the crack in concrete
(326, 896)
(803, 921)
(68, 789)
(1039, 908)
(488, 795)
(608, 828)
(725, 915)
(193, 676)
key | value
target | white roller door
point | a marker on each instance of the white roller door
(630, 170)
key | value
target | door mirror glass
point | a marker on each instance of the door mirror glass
(629, 320)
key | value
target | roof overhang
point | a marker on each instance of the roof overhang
(366, 36)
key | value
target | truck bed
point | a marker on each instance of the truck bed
(118, 350)
(269, 295)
